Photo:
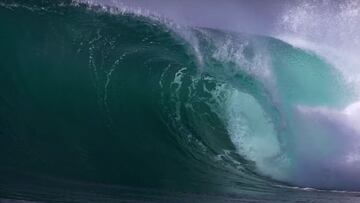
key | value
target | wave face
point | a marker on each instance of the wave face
(116, 97)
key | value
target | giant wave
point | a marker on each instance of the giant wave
(123, 97)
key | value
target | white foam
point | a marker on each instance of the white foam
(327, 147)
(254, 136)
(327, 141)
(327, 28)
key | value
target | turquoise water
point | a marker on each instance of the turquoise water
(100, 104)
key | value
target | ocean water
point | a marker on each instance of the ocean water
(112, 104)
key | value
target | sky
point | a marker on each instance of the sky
(237, 15)
(333, 23)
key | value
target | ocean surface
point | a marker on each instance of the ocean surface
(112, 104)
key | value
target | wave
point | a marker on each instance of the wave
(124, 97)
